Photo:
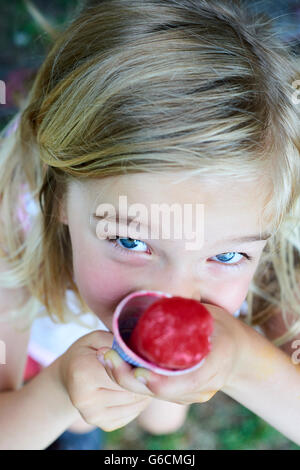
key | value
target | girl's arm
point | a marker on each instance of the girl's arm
(25, 421)
(268, 382)
(242, 363)
(14, 342)
(163, 417)
(274, 327)
(35, 415)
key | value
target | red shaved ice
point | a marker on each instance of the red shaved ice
(173, 333)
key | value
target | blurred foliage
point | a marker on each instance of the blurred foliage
(219, 424)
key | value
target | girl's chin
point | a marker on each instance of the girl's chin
(106, 322)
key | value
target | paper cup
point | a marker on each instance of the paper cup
(125, 318)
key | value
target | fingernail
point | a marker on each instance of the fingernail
(142, 375)
(108, 363)
(100, 355)
(141, 379)
(112, 359)
(101, 359)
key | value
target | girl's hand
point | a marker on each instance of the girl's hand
(99, 400)
(216, 373)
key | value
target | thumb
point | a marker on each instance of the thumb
(97, 339)
(100, 356)
(101, 351)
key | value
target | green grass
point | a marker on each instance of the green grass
(220, 424)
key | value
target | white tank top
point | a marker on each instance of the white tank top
(49, 340)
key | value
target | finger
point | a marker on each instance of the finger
(139, 404)
(111, 398)
(103, 377)
(140, 380)
(174, 388)
(123, 374)
(126, 413)
(89, 365)
(97, 339)
(198, 397)
(107, 363)
(205, 396)
(118, 416)
(118, 424)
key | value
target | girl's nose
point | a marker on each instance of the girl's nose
(179, 281)
(181, 291)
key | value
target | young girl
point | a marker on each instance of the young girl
(162, 102)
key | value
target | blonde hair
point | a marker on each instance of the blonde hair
(135, 86)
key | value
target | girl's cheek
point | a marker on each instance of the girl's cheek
(231, 295)
(101, 283)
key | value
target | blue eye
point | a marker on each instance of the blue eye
(127, 245)
(225, 258)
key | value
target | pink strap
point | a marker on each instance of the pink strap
(13, 126)
(25, 206)
(22, 211)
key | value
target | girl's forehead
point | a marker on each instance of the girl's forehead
(152, 188)
(235, 206)
(219, 228)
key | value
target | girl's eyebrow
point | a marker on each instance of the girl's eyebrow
(119, 217)
(248, 238)
(245, 239)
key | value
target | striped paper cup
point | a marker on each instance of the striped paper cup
(125, 318)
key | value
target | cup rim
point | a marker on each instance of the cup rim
(143, 362)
